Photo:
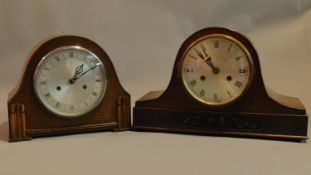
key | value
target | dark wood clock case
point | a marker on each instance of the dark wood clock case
(28, 118)
(258, 113)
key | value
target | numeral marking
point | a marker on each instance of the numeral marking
(47, 95)
(72, 108)
(189, 69)
(193, 83)
(199, 53)
(57, 105)
(70, 54)
(193, 57)
(242, 71)
(94, 93)
(57, 58)
(202, 92)
(215, 97)
(204, 50)
(229, 93)
(238, 58)
(43, 83)
(229, 48)
(46, 68)
(216, 44)
(238, 84)
(98, 80)
(86, 104)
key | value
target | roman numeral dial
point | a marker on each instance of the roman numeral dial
(216, 69)
(70, 81)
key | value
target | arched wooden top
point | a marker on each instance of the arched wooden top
(256, 99)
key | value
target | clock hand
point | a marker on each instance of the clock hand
(81, 74)
(201, 55)
(207, 59)
(204, 50)
(210, 63)
(78, 71)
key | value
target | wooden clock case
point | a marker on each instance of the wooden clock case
(258, 113)
(29, 118)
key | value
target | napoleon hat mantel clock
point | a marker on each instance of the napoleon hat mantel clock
(217, 89)
(69, 85)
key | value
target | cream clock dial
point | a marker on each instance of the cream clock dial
(217, 69)
(70, 81)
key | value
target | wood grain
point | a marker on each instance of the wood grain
(40, 122)
(174, 110)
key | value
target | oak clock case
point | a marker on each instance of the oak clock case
(217, 89)
(69, 85)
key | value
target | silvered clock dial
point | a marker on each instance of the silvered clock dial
(70, 81)
(217, 69)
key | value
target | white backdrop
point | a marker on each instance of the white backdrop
(142, 38)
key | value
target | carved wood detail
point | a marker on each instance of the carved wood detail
(123, 113)
(17, 122)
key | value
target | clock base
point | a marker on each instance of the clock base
(255, 125)
(28, 134)
(20, 139)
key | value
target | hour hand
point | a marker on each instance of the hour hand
(210, 63)
(83, 73)
(78, 71)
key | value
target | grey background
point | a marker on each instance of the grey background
(142, 38)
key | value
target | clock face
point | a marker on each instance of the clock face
(217, 69)
(70, 81)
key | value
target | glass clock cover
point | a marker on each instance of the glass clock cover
(216, 69)
(70, 81)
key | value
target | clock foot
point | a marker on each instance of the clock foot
(17, 123)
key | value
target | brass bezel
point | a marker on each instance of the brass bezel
(249, 60)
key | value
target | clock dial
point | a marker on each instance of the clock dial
(216, 69)
(70, 81)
